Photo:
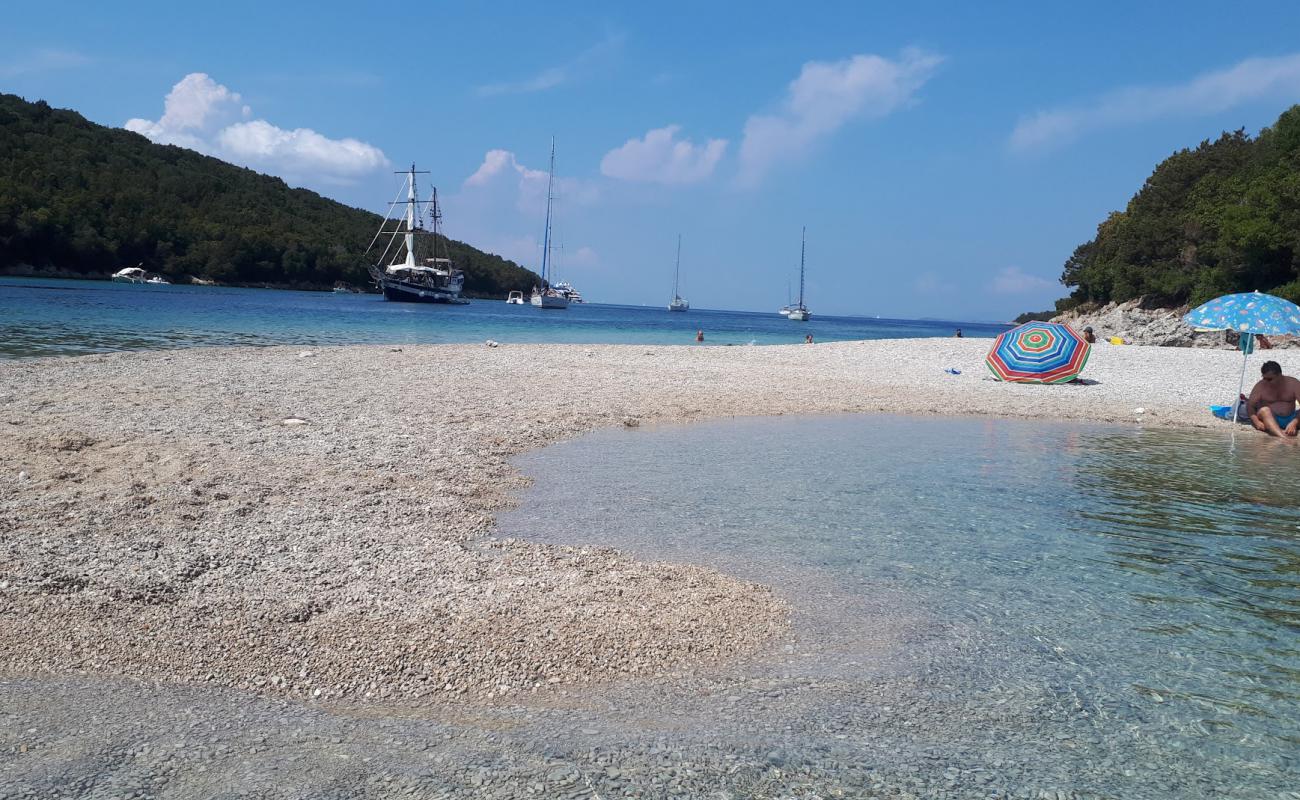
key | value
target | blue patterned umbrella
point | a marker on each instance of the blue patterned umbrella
(1248, 313)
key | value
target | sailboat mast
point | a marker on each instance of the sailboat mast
(546, 237)
(803, 244)
(410, 218)
(678, 268)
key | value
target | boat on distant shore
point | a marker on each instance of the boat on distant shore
(409, 278)
(678, 303)
(565, 288)
(158, 280)
(546, 295)
(515, 299)
(130, 275)
(799, 312)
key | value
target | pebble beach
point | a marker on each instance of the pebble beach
(315, 527)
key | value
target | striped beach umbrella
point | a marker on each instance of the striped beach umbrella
(1038, 352)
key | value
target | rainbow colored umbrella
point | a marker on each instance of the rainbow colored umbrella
(1038, 352)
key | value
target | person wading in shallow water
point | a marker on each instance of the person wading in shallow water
(699, 336)
(1272, 403)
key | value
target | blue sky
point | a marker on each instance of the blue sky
(946, 158)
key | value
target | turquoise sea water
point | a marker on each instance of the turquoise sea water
(70, 317)
(987, 604)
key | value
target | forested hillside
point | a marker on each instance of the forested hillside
(1222, 218)
(82, 197)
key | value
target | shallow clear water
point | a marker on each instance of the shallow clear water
(70, 317)
(1113, 610)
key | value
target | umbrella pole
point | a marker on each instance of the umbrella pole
(1241, 383)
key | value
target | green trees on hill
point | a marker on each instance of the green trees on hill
(90, 199)
(1222, 218)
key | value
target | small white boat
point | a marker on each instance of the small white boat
(515, 299)
(678, 303)
(546, 295)
(799, 312)
(158, 280)
(129, 275)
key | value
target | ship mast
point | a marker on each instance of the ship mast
(678, 268)
(803, 241)
(546, 237)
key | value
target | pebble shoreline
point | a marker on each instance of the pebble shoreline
(160, 520)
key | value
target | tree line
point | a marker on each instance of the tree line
(1218, 219)
(90, 199)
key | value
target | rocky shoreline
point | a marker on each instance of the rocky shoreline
(1162, 327)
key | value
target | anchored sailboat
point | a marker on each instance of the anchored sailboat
(547, 296)
(435, 280)
(799, 312)
(678, 303)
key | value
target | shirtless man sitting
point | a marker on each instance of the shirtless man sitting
(1272, 403)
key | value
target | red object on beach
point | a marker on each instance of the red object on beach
(1038, 352)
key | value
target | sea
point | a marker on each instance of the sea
(987, 607)
(52, 317)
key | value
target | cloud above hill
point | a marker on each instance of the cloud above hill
(1210, 93)
(203, 115)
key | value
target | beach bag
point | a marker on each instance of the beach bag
(1225, 412)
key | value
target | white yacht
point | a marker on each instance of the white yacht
(799, 312)
(546, 295)
(678, 302)
(565, 288)
(129, 275)
(158, 280)
(433, 280)
(515, 299)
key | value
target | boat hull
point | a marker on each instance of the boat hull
(682, 307)
(409, 293)
(799, 316)
(549, 301)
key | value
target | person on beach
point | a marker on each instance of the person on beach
(699, 336)
(1089, 336)
(808, 339)
(1272, 402)
(957, 335)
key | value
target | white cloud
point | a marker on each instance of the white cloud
(1209, 93)
(660, 157)
(1014, 280)
(824, 97)
(552, 77)
(500, 168)
(43, 60)
(501, 207)
(203, 115)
